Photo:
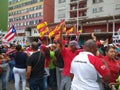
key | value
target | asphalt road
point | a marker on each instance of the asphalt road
(10, 85)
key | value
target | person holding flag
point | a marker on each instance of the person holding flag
(71, 51)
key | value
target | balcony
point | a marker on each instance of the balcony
(80, 18)
(80, 9)
(75, 1)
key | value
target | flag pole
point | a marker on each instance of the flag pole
(50, 40)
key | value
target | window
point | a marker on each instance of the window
(117, 6)
(40, 14)
(35, 31)
(97, 1)
(94, 10)
(100, 0)
(25, 17)
(99, 9)
(31, 22)
(34, 22)
(74, 7)
(94, 1)
(62, 15)
(61, 1)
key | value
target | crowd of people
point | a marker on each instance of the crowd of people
(62, 65)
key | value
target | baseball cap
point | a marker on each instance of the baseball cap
(74, 43)
(43, 47)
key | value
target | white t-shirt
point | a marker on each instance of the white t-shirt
(85, 73)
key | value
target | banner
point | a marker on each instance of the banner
(116, 38)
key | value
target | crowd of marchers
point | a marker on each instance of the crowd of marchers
(62, 65)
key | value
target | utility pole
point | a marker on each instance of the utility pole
(113, 15)
(113, 25)
(77, 15)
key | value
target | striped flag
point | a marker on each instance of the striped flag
(69, 31)
(57, 37)
(10, 35)
(56, 30)
(42, 28)
(41, 25)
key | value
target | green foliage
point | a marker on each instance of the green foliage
(3, 15)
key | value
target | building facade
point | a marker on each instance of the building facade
(101, 8)
(48, 10)
(78, 8)
(62, 9)
(83, 9)
(28, 13)
(70, 9)
(89, 15)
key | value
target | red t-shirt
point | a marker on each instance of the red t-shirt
(47, 61)
(68, 57)
(114, 66)
(0, 61)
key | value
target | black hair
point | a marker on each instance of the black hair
(108, 48)
(35, 46)
(18, 47)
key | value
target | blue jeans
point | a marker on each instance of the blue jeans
(11, 65)
(3, 78)
(45, 82)
(65, 83)
(36, 83)
(59, 76)
(52, 78)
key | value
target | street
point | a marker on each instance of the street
(10, 85)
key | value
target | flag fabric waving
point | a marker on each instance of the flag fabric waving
(10, 35)
(41, 25)
(42, 28)
(56, 30)
(69, 31)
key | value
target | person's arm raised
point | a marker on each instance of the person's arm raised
(93, 36)
(61, 37)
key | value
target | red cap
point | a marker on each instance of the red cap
(43, 47)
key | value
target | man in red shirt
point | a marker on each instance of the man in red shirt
(68, 54)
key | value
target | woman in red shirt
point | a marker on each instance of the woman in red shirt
(113, 65)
